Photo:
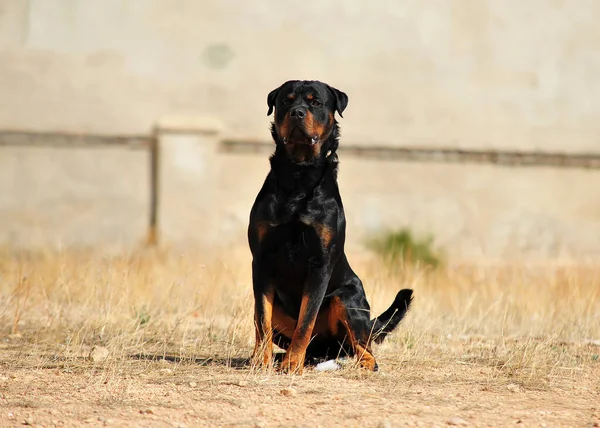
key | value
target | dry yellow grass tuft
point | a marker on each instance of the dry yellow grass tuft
(106, 337)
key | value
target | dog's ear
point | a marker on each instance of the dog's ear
(271, 100)
(341, 99)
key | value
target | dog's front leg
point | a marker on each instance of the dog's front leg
(263, 313)
(312, 297)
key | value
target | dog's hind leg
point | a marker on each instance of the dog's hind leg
(349, 324)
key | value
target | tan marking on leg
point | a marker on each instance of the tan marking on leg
(283, 323)
(363, 354)
(329, 318)
(294, 357)
(365, 357)
(264, 332)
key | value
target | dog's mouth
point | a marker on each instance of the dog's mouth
(300, 136)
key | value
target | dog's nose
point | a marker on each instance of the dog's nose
(298, 113)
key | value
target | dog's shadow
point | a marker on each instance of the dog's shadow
(238, 363)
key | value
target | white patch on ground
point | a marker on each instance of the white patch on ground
(327, 366)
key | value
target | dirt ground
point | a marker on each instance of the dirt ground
(128, 341)
(133, 392)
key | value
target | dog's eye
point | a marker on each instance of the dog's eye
(315, 103)
(287, 102)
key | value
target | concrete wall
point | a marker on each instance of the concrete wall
(100, 196)
(504, 74)
(57, 197)
(469, 73)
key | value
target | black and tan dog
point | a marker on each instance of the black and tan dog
(307, 298)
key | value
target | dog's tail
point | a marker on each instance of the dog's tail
(385, 323)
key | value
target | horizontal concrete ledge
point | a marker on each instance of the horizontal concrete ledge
(442, 155)
(210, 127)
(70, 139)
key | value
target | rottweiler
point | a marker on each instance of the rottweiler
(307, 299)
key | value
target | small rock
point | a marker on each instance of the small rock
(28, 421)
(260, 424)
(98, 354)
(165, 371)
(101, 419)
(10, 415)
(457, 422)
(193, 384)
(237, 403)
(179, 425)
(384, 424)
(89, 420)
(242, 383)
(288, 392)
(513, 387)
(147, 412)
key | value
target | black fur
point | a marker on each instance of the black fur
(297, 233)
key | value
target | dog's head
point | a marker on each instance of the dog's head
(304, 118)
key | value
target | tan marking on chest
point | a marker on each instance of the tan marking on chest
(324, 232)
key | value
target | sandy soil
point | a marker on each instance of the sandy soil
(50, 391)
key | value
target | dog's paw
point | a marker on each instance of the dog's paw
(292, 364)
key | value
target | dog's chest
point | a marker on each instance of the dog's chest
(296, 208)
(295, 250)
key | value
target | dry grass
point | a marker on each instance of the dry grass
(523, 335)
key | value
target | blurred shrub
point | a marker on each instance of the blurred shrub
(402, 247)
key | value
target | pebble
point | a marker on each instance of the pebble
(288, 392)
(98, 354)
(513, 387)
(457, 421)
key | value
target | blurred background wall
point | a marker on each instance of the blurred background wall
(468, 74)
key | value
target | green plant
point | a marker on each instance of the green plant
(402, 245)
(142, 315)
